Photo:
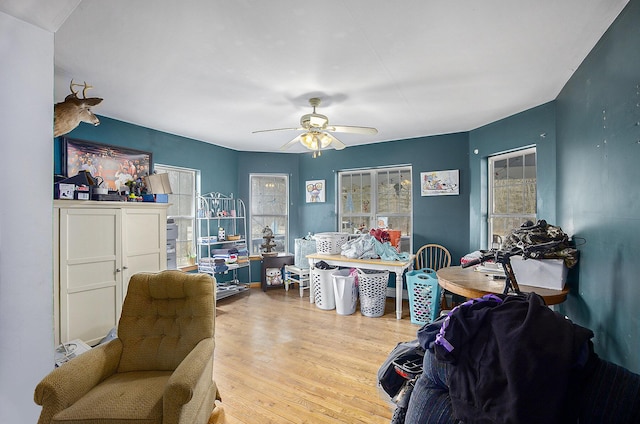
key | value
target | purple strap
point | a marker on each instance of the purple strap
(440, 337)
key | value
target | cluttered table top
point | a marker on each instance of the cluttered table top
(470, 283)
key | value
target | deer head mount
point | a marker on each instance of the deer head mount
(69, 114)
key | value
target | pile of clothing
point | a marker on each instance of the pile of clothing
(367, 246)
(542, 241)
(221, 259)
(228, 256)
(242, 253)
(217, 264)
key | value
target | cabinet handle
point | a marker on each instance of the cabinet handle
(125, 267)
(117, 269)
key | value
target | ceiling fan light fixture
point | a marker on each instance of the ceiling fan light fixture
(309, 140)
(317, 135)
(315, 140)
(325, 140)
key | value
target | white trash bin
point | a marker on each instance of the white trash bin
(345, 291)
(322, 288)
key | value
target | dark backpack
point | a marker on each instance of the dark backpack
(388, 378)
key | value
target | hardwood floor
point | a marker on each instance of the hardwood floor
(280, 359)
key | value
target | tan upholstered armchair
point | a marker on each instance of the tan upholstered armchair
(158, 370)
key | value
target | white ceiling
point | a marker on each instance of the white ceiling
(216, 70)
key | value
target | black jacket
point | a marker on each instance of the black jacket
(512, 360)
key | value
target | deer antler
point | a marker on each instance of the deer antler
(71, 85)
(84, 91)
(86, 87)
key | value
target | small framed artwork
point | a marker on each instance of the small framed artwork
(315, 191)
(115, 165)
(440, 183)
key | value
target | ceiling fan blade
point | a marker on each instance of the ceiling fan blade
(350, 129)
(291, 143)
(335, 143)
(278, 129)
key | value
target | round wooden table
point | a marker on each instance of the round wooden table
(471, 284)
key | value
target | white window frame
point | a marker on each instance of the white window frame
(255, 231)
(495, 236)
(186, 249)
(406, 172)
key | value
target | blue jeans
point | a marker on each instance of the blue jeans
(430, 402)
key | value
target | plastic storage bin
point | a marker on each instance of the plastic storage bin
(322, 284)
(345, 291)
(330, 243)
(424, 295)
(303, 248)
(372, 286)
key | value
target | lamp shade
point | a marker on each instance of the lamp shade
(158, 183)
(315, 140)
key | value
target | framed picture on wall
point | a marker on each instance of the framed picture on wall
(315, 191)
(114, 164)
(440, 183)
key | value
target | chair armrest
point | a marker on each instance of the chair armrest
(66, 384)
(195, 370)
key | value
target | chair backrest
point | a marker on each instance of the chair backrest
(432, 256)
(164, 316)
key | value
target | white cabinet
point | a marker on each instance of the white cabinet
(144, 241)
(98, 246)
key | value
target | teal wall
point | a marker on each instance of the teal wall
(436, 219)
(280, 163)
(218, 165)
(585, 185)
(596, 193)
(534, 127)
(441, 219)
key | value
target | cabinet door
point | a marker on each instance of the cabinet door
(144, 242)
(90, 277)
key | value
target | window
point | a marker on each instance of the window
(376, 197)
(185, 184)
(512, 193)
(269, 207)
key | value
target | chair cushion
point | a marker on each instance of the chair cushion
(131, 397)
(164, 316)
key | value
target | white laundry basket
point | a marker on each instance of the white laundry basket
(345, 291)
(322, 284)
(373, 292)
(330, 243)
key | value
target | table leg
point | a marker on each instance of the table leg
(399, 295)
(312, 298)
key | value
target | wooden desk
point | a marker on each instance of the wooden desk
(469, 283)
(398, 267)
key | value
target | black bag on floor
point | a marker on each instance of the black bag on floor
(388, 378)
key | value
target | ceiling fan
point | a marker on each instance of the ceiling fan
(317, 131)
